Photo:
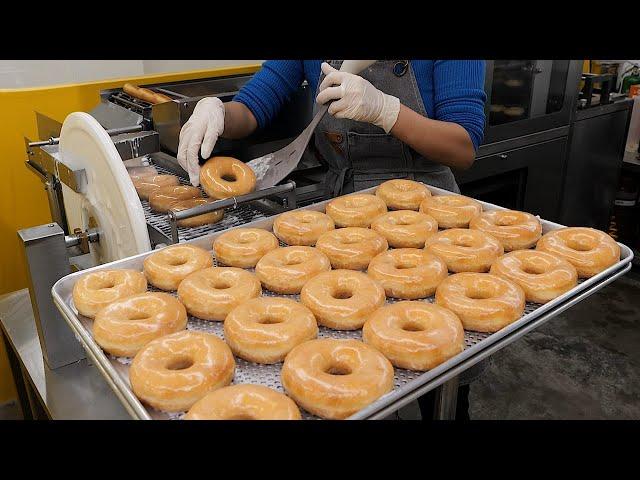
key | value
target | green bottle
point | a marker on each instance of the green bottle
(632, 79)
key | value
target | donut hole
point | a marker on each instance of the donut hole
(532, 269)
(356, 202)
(338, 369)
(351, 240)
(179, 363)
(505, 221)
(403, 221)
(342, 294)
(269, 320)
(404, 266)
(579, 246)
(477, 294)
(176, 262)
(219, 284)
(247, 238)
(293, 261)
(107, 285)
(139, 316)
(229, 177)
(241, 416)
(463, 242)
(411, 326)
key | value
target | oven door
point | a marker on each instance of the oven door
(529, 96)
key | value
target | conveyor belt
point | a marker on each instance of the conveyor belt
(233, 217)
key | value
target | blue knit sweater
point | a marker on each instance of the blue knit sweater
(452, 90)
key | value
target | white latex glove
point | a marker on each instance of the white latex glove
(356, 99)
(201, 132)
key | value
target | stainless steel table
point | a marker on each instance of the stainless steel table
(74, 392)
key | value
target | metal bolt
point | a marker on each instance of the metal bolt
(51, 225)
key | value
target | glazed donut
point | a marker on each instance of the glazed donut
(96, 290)
(224, 177)
(402, 194)
(351, 247)
(286, 270)
(243, 247)
(405, 228)
(302, 227)
(166, 268)
(163, 198)
(265, 329)
(342, 299)
(513, 111)
(335, 378)
(484, 302)
(146, 185)
(136, 173)
(541, 275)
(451, 211)
(515, 230)
(465, 250)
(244, 402)
(125, 326)
(145, 94)
(356, 210)
(204, 219)
(211, 293)
(589, 250)
(173, 372)
(407, 272)
(414, 335)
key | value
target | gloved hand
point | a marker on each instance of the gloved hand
(200, 132)
(356, 99)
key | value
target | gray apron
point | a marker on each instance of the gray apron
(360, 155)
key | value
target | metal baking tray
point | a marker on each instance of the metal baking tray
(408, 384)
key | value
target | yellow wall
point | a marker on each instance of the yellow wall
(23, 201)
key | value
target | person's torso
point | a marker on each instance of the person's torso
(360, 155)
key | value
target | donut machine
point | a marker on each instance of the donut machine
(408, 385)
(97, 215)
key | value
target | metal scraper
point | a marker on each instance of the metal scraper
(274, 167)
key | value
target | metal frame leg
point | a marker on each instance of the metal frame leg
(446, 400)
(47, 259)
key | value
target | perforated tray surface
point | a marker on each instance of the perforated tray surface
(406, 381)
(269, 375)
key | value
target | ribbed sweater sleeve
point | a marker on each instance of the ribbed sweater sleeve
(459, 95)
(270, 88)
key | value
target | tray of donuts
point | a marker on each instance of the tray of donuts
(334, 310)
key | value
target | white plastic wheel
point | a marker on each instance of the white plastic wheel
(109, 201)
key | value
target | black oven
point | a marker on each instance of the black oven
(521, 162)
(529, 96)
